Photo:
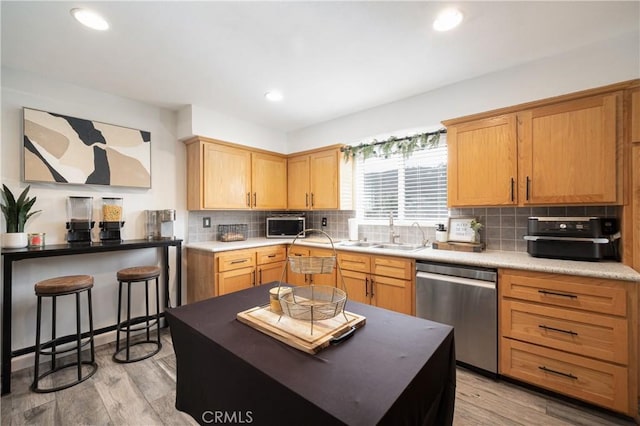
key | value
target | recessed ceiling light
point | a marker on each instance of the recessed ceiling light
(273, 96)
(90, 19)
(447, 20)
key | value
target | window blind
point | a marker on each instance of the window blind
(413, 188)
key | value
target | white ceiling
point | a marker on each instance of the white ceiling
(328, 58)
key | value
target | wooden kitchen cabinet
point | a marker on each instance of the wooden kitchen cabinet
(382, 281)
(475, 149)
(236, 270)
(271, 264)
(221, 175)
(565, 150)
(574, 335)
(319, 180)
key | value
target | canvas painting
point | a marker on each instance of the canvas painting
(63, 149)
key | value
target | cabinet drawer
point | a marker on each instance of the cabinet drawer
(393, 267)
(591, 294)
(594, 381)
(236, 259)
(354, 262)
(585, 333)
(270, 254)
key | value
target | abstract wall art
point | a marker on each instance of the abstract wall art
(63, 149)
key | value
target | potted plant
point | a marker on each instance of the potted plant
(16, 213)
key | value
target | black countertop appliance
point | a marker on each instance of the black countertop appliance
(573, 238)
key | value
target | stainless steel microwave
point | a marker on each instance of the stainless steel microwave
(285, 226)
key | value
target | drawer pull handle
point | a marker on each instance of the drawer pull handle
(547, 292)
(233, 262)
(271, 255)
(546, 327)
(549, 370)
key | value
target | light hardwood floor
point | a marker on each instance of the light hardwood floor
(143, 393)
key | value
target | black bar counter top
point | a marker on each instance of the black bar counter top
(397, 369)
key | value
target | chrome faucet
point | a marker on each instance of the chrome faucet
(424, 238)
(393, 237)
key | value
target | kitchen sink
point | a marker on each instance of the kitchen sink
(359, 244)
(401, 247)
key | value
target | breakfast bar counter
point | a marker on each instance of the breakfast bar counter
(396, 369)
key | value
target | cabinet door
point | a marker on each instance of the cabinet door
(323, 279)
(568, 152)
(238, 279)
(269, 181)
(357, 286)
(271, 272)
(227, 177)
(391, 293)
(298, 182)
(324, 179)
(635, 116)
(482, 165)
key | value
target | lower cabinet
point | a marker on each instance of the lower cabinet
(382, 281)
(572, 335)
(214, 274)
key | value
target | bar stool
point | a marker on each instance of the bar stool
(53, 288)
(129, 276)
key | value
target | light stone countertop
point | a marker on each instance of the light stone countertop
(489, 258)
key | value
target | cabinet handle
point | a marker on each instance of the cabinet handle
(528, 182)
(366, 286)
(312, 203)
(260, 281)
(254, 278)
(306, 199)
(559, 330)
(271, 255)
(233, 262)
(513, 182)
(553, 293)
(255, 200)
(248, 199)
(549, 370)
(372, 284)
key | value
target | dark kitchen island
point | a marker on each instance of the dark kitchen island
(397, 369)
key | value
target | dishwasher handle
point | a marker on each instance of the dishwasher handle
(454, 280)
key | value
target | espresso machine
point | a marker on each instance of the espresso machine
(160, 224)
(80, 220)
(112, 222)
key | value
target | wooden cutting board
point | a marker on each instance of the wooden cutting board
(471, 247)
(298, 333)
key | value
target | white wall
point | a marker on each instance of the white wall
(591, 66)
(212, 124)
(20, 89)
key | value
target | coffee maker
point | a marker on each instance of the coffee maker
(160, 224)
(80, 223)
(112, 222)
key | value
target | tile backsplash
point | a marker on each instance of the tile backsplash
(504, 227)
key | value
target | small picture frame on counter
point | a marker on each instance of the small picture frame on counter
(460, 230)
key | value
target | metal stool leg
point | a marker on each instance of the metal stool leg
(146, 303)
(36, 369)
(92, 344)
(119, 316)
(53, 332)
(78, 337)
(157, 311)
(128, 319)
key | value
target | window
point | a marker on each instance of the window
(414, 188)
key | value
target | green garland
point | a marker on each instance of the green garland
(405, 146)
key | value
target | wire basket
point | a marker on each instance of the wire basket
(314, 302)
(312, 264)
(235, 232)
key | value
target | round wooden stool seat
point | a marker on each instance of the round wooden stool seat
(63, 285)
(138, 273)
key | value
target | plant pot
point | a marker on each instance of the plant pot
(14, 240)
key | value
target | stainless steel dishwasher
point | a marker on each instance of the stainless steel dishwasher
(464, 297)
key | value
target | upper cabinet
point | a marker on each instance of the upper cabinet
(569, 152)
(319, 180)
(223, 176)
(565, 150)
(475, 149)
